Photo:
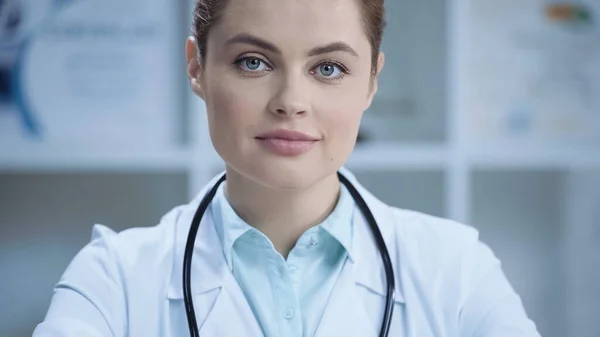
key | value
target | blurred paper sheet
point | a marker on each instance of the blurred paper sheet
(533, 70)
(89, 73)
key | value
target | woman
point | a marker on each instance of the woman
(283, 248)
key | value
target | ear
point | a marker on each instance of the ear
(194, 68)
(374, 80)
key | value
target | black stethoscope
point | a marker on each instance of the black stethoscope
(362, 205)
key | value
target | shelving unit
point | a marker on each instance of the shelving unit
(521, 196)
(60, 160)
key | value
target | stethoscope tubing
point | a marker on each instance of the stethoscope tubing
(362, 205)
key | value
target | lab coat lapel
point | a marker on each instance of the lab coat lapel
(222, 308)
(219, 303)
(231, 315)
(345, 314)
(348, 313)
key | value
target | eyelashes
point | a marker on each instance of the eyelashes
(327, 70)
(252, 64)
(330, 66)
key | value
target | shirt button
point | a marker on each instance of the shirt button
(293, 270)
(312, 242)
(289, 313)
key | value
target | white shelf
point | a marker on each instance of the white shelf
(517, 156)
(391, 156)
(369, 156)
(96, 161)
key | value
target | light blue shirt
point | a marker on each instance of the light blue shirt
(288, 298)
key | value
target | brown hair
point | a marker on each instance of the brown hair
(208, 12)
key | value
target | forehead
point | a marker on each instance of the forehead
(294, 22)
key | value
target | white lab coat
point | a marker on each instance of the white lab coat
(448, 284)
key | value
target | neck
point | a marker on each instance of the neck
(282, 215)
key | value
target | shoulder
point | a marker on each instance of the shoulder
(427, 233)
(442, 256)
(133, 245)
(446, 268)
(431, 245)
(130, 254)
(421, 233)
(419, 242)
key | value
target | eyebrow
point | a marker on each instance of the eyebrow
(258, 42)
(255, 41)
(335, 46)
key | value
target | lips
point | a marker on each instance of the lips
(287, 142)
(290, 135)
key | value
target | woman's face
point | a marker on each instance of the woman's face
(274, 66)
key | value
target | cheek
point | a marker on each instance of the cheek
(229, 110)
(225, 117)
(341, 119)
(231, 101)
(340, 125)
(221, 104)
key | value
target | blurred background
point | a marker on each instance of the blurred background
(488, 113)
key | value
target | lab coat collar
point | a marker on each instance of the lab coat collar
(208, 263)
(209, 267)
(368, 265)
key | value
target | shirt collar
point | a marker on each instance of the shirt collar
(339, 223)
(228, 224)
(209, 268)
(230, 227)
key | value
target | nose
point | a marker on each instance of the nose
(291, 97)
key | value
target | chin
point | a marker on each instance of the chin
(287, 182)
(283, 173)
(290, 175)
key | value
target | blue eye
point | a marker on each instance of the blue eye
(327, 70)
(252, 64)
(330, 71)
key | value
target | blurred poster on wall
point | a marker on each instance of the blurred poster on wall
(533, 70)
(89, 74)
